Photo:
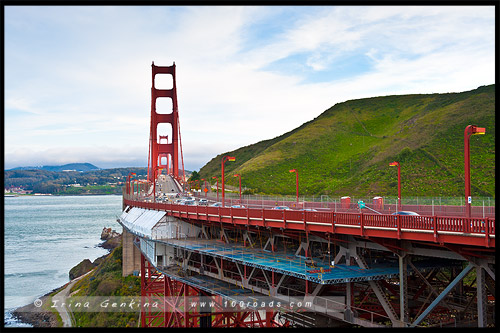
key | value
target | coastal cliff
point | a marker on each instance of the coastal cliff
(45, 316)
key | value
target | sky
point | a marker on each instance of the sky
(78, 78)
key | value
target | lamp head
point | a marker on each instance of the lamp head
(478, 130)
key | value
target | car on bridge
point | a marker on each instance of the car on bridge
(282, 207)
(217, 204)
(237, 206)
(406, 213)
(203, 202)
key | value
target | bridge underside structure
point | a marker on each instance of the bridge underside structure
(339, 278)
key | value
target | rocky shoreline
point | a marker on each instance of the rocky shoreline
(30, 314)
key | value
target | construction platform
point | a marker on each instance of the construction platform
(289, 264)
(240, 298)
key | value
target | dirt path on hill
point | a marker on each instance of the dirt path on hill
(61, 298)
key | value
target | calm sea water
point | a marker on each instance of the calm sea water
(45, 236)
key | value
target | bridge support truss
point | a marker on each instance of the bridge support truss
(430, 285)
(168, 302)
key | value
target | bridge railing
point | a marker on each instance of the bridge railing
(212, 210)
(429, 206)
(347, 218)
(416, 222)
(255, 213)
(321, 217)
(328, 220)
(377, 220)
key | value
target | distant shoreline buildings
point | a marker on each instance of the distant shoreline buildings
(17, 190)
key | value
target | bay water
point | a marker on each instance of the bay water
(44, 237)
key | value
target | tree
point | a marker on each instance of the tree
(195, 176)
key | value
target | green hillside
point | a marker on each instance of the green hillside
(347, 149)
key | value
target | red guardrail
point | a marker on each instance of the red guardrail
(435, 209)
(458, 230)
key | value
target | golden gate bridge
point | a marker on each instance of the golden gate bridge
(224, 266)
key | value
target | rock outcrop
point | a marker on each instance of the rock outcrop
(111, 238)
(80, 269)
(108, 233)
(35, 316)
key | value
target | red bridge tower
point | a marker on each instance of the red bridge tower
(159, 152)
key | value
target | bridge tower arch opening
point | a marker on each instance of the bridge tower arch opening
(164, 140)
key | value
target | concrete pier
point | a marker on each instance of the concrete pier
(131, 257)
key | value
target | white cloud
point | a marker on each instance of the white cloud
(79, 77)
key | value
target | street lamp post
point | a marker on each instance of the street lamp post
(135, 183)
(296, 184)
(128, 181)
(132, 184)
(469, 130)
(224, 159)
(217, 185)
(205, 190)
(142, 187)
(239, 176)
(154, 180)
(138, 183)
(399, 183)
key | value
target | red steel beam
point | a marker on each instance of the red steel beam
(175, 311)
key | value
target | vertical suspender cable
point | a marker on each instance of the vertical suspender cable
(149, 153)
(182, 156)
(150, 176)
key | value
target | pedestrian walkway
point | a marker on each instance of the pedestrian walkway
(61, 297)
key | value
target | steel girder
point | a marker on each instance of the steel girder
(175, 309)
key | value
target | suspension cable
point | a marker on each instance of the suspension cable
(149, 153)
(180, 143)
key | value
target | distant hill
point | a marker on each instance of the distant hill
(347, 149)
(72, 179)
(81, 167)
(101, 181)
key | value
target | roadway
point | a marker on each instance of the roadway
(167, 184)
(434, 229)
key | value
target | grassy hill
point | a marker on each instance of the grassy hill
(107, 280)
(347, 149)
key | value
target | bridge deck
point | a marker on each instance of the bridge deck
(434, 229)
